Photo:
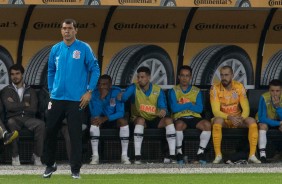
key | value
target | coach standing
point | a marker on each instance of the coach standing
(73, 73)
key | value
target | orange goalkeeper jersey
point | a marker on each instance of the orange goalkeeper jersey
(229, 102)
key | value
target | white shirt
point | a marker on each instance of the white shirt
(20, 91)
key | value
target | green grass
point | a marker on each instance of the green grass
(148, 179)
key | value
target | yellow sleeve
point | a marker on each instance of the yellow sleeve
(244, 103)
(215, 103)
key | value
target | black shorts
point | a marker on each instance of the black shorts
(153, 123)
(109, 125)
(191, 122)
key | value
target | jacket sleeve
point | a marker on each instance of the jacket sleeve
(93, 68)
(215, 104)
(51, 70)
(33, 102)
(244, 102)
(11, 106)
(119, 113)
(174, 106)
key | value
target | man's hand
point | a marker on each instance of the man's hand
(98, 120)
(276, 101)
(85, 99)
(162, 113)
(10, 99)
(235, 120)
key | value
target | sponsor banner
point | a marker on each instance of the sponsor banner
(219, 37)
(131, 2)
(266, 3)
(44, 30)
(55, 2)
(10, 28)
(4, 2)
(131, 34)
(169, 3)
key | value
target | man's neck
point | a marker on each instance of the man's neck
(184, 87)
(69, 42)
(103, 94)
(146, 87)
(19, 85)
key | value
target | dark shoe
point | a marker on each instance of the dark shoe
(137, 159)
(179, 158)
(75, 175)
(201, 158)
(9, 137)
(172, 159)
(263, 160)
(49, 171)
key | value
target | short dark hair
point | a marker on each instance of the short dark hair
(275, 82)
(227, 67)
(144, 69)
(69, 21)
(106, 77)
(185, 67)
(16, 67)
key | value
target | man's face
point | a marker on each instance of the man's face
(184, 77)
(226, 76)
(104, 85)
(68, 32)
(16, 76)
(143, 79)
(275, 91)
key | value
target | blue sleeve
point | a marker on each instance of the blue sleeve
(198, 106)
(119, 113)
(128, 93)
(279, 112)
(176, 107)
(51, 70)
(162, 100)
(262, 114)
(93, 67)
(95, 107)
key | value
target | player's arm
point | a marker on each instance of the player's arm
(215, 104)
(244, 103)
(174, 105)
(262, 114)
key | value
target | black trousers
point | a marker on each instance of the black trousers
(59, 110)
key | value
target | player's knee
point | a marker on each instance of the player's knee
(168, 121)
(263, 126)
(179, 126)
(140, 121)
(249, 121)
(122, 122)
(218, 120)
(206, 125)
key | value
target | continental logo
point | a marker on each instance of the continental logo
(8, 24)
(60, 1)
(275, 2)
(148, 108)
(204, 26)
(121, 26)
(122, 2)
(57, 25)
(212, 2)
(277, 27)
